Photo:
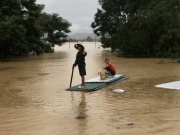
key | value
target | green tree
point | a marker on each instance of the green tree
(54, 29)
(139, 28)
(23, 26)
(12, 31)
(31, 13)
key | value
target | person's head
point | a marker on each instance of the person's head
(106, 60)
(79, 47)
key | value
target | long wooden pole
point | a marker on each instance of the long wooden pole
(72, 76)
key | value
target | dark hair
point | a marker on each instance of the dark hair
(106, 59)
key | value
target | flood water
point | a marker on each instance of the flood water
(34, 100)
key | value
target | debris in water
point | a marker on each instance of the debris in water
(130, 124)
(119, 90)
(172, 85)
(81, 117)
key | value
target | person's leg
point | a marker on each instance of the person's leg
(110, 71)
(82, 72)
(83, 81)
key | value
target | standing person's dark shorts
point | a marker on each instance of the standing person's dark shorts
(82, 69)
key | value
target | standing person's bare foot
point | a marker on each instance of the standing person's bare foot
(81, 86)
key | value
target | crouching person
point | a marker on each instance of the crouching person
(110, 68)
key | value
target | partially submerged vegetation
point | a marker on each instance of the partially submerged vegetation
(26, 29)
(140, 28)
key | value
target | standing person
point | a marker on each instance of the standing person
(110, 68)
(80, 61)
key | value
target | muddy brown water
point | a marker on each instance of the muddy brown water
(33, 100)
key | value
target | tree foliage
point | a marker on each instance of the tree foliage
(24, 28)
(139, 28)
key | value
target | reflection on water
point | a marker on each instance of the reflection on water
(81, 115)
(33, 100)
(82, 108)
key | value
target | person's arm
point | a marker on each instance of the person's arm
(84, 53)
(105, 66)
(76, 62)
